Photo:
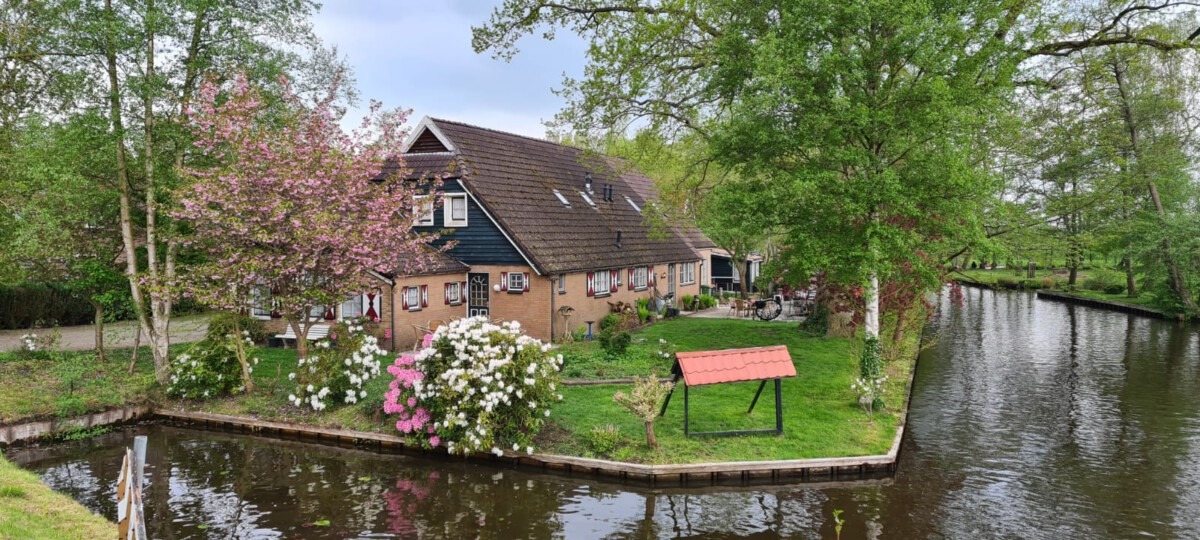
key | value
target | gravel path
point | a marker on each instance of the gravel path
(120, 334)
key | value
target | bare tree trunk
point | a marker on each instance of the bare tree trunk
(99, 328)
(1178, 286)
(651, 441)
(137, 345)
(301, 331)
(1130, 280)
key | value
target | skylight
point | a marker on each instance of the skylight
(588, 199)
(633, 204)
(561, 199)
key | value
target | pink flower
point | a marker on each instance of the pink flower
(412, 402)
(427, 341)
(434, 441)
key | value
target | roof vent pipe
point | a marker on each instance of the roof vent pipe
(587, 182)
(618, 238)
(608, 192)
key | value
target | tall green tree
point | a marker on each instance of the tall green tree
(862, 116)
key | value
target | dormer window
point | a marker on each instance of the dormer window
(587, 199)
(423, 210)
(561, 198)
(456, 210)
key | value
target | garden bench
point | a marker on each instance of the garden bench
(317, 331)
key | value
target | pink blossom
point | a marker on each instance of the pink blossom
(427, 341)
(434, 441)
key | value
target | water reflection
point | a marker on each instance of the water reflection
(1030, 419)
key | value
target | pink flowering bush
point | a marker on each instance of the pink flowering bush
(475, 386)
(337, 368)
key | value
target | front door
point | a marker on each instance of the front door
(671, 279)
(477, 294)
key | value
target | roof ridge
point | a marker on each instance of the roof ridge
(502, 132)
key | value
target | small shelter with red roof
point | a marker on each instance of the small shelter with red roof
(734, 365)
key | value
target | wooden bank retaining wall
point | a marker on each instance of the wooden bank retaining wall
(27, 431)
(1103, 304)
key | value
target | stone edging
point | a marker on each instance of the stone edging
(1103, 304)
(15, 433)
(691, 474)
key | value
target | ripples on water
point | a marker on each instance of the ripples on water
(1030, 419)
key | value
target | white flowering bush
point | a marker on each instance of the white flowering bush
(337, 368)
(475, 386)
(210, 368)
(38, 346)
(870, 394)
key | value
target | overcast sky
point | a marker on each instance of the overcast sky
(418, 55)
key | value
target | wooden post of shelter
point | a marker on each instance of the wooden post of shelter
(733, 365)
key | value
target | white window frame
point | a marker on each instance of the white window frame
(356, 302)
(414, 303)
(516, 282)
(562, 284)
(261, 304)
(423, 211)
(454, 293)
(587, 199)
(602, 288)
(561, 198)
(687, 273)
(448, 209)
(641, 278)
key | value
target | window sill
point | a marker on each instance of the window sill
(455, 224)
(459, 303)
(510, 291)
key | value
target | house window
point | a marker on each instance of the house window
(412, 298)
(351, 308)
(456, 210)
(261, 304)
(423, 210)
(562, 284)
(639, 278)
(453, 293)
(633, 204)
(687, 273)
(561, 198)
(516, 282)
(587, 199)
(603, 285)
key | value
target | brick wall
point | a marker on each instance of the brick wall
(531, 308)
(595, 308)
(404, 331)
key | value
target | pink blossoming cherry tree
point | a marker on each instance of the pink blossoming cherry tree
(293, 205)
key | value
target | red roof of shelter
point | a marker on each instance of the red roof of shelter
(734, 365)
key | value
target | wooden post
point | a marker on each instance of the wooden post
(685, 410)
(778, 405)
(756, 394)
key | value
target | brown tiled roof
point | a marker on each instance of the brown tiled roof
(734, 365)
(442, 264)
(513, 176)
(417, 166)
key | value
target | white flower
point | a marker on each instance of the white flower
(516, 447)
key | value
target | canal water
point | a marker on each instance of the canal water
(1029, 419)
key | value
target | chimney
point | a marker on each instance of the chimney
(607, 193)
(587, 183)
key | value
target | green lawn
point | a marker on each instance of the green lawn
(821, 417)
(31, 510)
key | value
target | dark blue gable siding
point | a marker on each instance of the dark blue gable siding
(721, 267)
(481, 241)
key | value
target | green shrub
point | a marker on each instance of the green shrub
(208, 369)
(707, 301)
(1114, 288)
(687, 300)
(1031, 284)
(817, 322)
(338, 367)
(1048, 283)
(615, 341)
(38, 304)
(225, 323)
(643, 314)
(1007, 283)
(604, 439)
(612, 320)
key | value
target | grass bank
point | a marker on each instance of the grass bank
(30, 510)
(1057, 281)
(821, 415)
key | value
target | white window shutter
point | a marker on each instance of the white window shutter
(650, 276)
(591, 282)
(613, 274)
(424, 295)
(631, 279)
(503, 281)
(446, 293)
(404, 297)
(526, 281)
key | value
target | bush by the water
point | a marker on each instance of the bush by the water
(209, 368)
(338, 367)
(604, 439)
(1007, 283)
(475, 386)
(1031, 284)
